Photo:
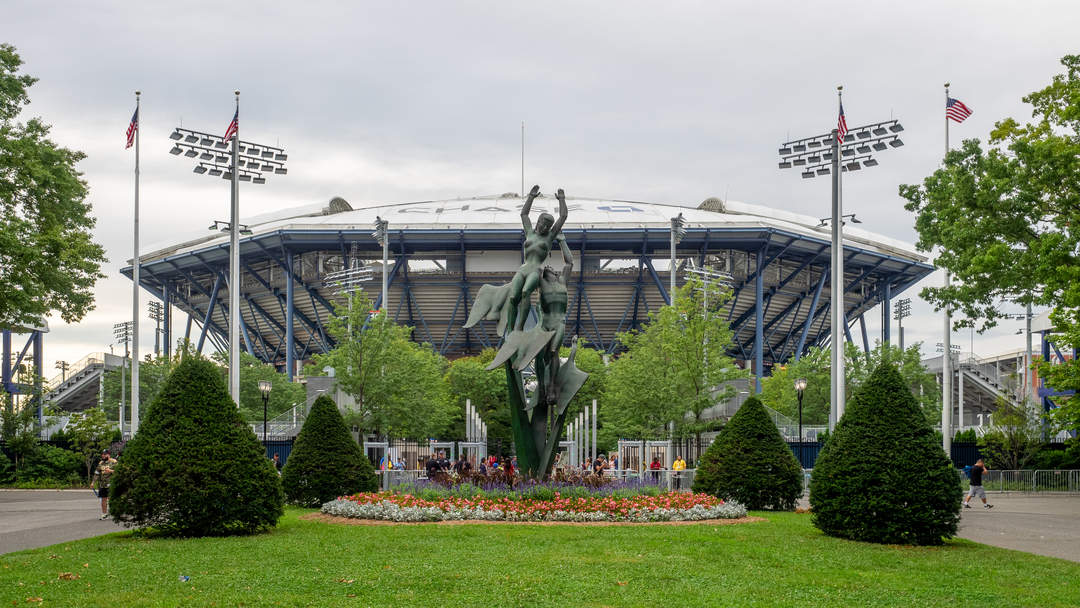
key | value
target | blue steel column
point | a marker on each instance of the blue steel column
(810, 315)
(290, 303)
(166, 324)
(39, 357)
(759, 321)
(886, 314)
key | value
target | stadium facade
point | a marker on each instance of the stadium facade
(441, 252)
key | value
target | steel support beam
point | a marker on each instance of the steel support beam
(290, 307)
(208, 319)
(759, 318)
(810, 315)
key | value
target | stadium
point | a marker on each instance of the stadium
(441, 252)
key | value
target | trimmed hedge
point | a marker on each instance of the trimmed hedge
(751, 463)
(883, 476)
(325, 462)
(195, 468)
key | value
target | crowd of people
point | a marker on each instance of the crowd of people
(438, 463)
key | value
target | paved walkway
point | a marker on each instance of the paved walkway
(1046, 525)
(36, 518)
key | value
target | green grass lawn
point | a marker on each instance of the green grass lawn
(782, 562)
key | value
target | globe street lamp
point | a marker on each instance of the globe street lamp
(264, 388)
(800, 386)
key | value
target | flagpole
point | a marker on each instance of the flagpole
(135, 286)
(234, 266)
(837, 280)
(946, 355)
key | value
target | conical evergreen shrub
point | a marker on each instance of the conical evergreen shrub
(883, 477)
(195, 468)
(751, 463)
(325, 461)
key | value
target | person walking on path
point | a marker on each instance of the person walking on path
(101, 481)
(976, 485)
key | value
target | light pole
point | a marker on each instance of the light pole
(900, 311)
(382, 235)
(123, 332)
(800, 386)
(156, 314)
(348, 280)
(678, 231)
(248, 162)
(63, 366)
(947, 350)
(822, 155)
(710, 280)
(264, 388)
(1026, 378)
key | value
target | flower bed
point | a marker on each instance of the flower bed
(673, 506)
(476, 487)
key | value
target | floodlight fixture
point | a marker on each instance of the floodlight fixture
(191, 138)
(221, 145)
(206, 156)
(863, 149)
(799, 148)
(215, 171)
(281, 157)
(849, 137)
(814, 159)
(896, 143)
(807, 174)
(879, 131)
(245, 177)
(879, 146)
(822, 171)
(221, 160)
(870, 162)
(784, 164)
(258, 180)
(854, 166)
(799, 162)
(251, 151)
(896, 127)
(847, 152)
(176, 150)
(268, 167)
(863, 134)
(200, 169)
(678, 227)
(785, 151)
(281, 171)
(268, 154)
(205, 141)
(814, 143)
(176, 136)
(226, 175)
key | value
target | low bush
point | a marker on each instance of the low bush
(751, 463)
(49, 462)
(325, 462)
(481, 488)
(883, 477)
(195, 468)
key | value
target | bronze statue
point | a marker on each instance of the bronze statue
(537, 421)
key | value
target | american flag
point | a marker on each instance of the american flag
(841, 126)
(230, 131)
(132, 128)
(956, 110)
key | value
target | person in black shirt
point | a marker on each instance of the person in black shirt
(432, 466)
(976, 485)
(444, 462)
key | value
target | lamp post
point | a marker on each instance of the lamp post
(245, 162)
(156, 313)
(800, 386)
(63, 366)
(122, 332)
(828, 154)
(264, 388)
(901, 310)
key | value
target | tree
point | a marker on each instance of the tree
(1007, 220)
(778, 390)
(195, 468)
(325, 462)
(467, 378)
(152, 376)
(397, 383)
(882, 476)
(751, 463)
(673, 369)
(18, 429)
(48, 261)
(1014, 439)
(283, 394)
(90, 433)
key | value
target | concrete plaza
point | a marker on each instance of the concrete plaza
(37, 518)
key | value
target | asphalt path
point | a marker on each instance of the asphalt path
(1036, 523)
(37, 518)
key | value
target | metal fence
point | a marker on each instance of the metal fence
(676, 481)
(1029, 481)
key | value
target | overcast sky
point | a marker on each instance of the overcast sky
(381, 101)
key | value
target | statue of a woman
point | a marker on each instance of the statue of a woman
(553, 302)
(538, 244)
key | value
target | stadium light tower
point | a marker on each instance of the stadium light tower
(156, 314)
(348, 281)
(382, 235)
(839, 151)
(247, 162)
(900, 311)
(123, 333)
(678, 231)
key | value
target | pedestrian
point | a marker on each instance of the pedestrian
(277, 462)
(599, 465)
(444, 462)
(432, 466)
(655, 468)
(976, 485)
(101, 481)
(678, 466)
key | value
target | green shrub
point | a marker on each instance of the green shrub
(49, 462)
(751, 463)
(7, 469)
(325, 462)
(883, 477)
(195, 468)
(1068, 458)
(967, 436)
